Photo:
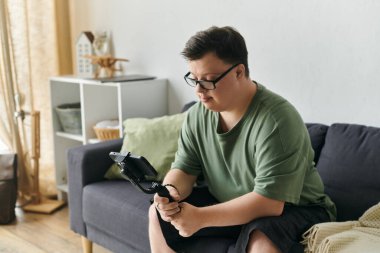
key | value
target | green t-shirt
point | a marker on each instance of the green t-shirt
(268, 152)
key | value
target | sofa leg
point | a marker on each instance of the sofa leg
(86, 245)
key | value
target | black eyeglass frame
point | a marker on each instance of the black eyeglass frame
(193, 82)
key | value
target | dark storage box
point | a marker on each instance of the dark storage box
(8, 187)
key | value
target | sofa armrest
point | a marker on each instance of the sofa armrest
(86, 164)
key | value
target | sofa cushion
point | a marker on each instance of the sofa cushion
(156, 139)
(317, 133)
(350, 168)
(118, 209)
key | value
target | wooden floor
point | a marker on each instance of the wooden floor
(41, 233)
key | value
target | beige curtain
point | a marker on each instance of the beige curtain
(38, 47)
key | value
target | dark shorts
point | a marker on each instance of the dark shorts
(284, 231)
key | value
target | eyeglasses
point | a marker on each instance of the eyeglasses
(207, 84)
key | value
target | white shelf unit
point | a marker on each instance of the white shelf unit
(100, 101)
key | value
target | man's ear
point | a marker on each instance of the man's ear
(240, 71)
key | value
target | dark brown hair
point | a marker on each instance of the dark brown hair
(226, 42)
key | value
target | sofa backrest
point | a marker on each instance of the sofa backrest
(188, 105)
(349, 165)
(317, 133)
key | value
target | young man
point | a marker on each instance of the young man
(254, 152)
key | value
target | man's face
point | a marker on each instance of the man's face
(210, 67)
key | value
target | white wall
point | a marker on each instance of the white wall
(322, 55)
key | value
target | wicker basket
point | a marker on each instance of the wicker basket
(107, 133)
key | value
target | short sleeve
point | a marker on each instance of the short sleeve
(282, 162)
(187, 157)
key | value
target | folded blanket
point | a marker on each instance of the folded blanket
(348, 237)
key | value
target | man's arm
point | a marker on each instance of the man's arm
(241, 210)
(237, 211)
(182, 181)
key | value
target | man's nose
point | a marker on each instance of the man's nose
(199, 88)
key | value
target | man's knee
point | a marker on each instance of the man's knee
(152, 214)
(260, 243)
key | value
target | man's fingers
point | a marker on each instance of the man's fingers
(166, 206)
(166, 218)
(171, 211)
(161, 200)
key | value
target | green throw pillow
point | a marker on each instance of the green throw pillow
(156, 139)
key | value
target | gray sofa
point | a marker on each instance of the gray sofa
(113, 214)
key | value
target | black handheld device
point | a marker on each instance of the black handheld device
(135, 169)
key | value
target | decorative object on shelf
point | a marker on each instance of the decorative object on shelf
(102, 43)
(105, 63)
(69, 116)
(107, 130)
(84, 46)
(94, 56)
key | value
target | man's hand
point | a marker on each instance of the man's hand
(188, 221)
(179, 185)
(166, 208)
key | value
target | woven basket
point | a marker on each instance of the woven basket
(106, 133)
